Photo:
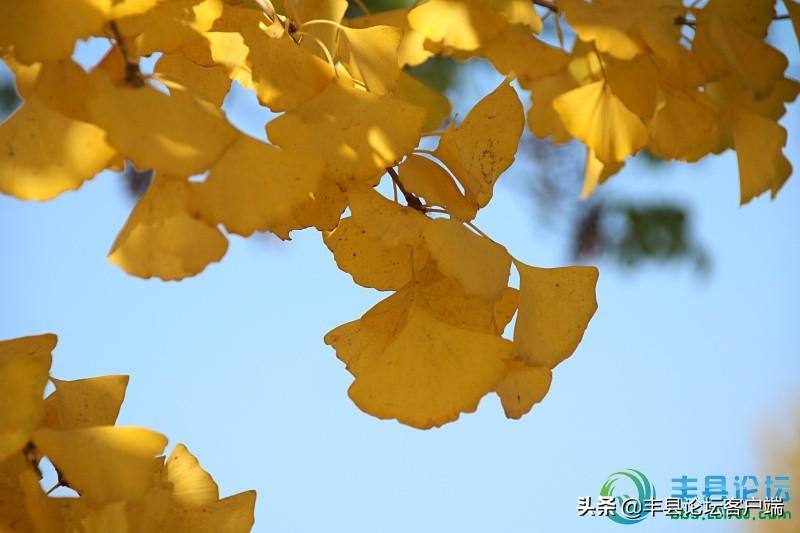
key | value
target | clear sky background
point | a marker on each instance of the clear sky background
(677, 373)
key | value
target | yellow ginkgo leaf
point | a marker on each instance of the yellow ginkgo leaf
(522, 387)
(357, 133)
(370, 55)
(103, 463)
(635, 83)
(412, 49)
(164, 237)
(226, 50)
(303, 11)
(427, 179)
(284, 75)
(170, 24)
(14, 514)
(543, 120)
(483, 146)
(435, 104)
(595, 172)
(210, 83)
(752, 16)
(45, 153)
(24, 366)
(126, 8)
(61, 85)
(519, 12)
(46, 30)
(233, 514)
(257, 187)
(457, 24)
(371, 261)
(384, 219)
(759, 146)
(517, 51)
(555, 306)
(505, 308)
(597, 117)
(413, 367)
(455, 249)
(608, 26)
(685, 126)
(84, 402)
(176, 134)
(191, 485)
(723, 47)
(444, 298)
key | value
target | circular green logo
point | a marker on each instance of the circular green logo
(629, 509)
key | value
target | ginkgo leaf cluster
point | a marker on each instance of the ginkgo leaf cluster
(122, 479)
(681, 82)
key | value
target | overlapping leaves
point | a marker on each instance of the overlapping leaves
(122, 480)
(350, 117)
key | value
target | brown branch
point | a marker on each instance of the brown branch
(133, 76)
(549, 4)
(412, 201)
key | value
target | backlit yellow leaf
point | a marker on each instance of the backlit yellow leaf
(372, 261)
(46, 30)
(357, 133)
(170, 24)
(85, 402)
(257, 187)
(759, 143)
(522, 387)
(597, 117)
(685, 125)
(427, 179)
(103, 463)
(164, 237)
(209, 83)
(435, 104)
(370, 55)
(543, 120)
(484, 145)
(24, 366)
(516, 50)
(413, 367)
(595, 172)
(412, 49)
(555, 306)
(458, 24)
(233, 514)
(176, 134)
(479, 264)
(191, 485)
(284, 74)
(43, 153)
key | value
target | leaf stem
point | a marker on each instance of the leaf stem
(412, 201)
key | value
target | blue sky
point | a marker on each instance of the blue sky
(677, 373)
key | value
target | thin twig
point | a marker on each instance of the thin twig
(412, 201)
(549, 4)
(133, 76)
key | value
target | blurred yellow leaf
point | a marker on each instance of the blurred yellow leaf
(370, 55)
(24, 367)
(164, 237)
